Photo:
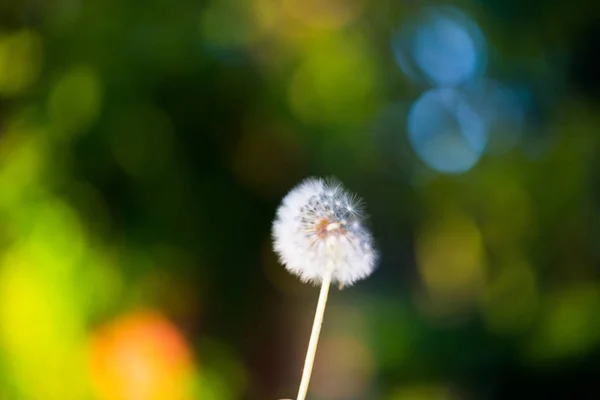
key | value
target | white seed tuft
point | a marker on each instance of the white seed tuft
(318, 224)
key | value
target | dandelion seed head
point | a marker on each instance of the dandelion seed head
(318, 226)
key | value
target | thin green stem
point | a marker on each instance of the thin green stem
(314, 336)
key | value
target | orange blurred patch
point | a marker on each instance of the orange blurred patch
(140, 356)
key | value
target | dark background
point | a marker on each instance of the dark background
(145, 147)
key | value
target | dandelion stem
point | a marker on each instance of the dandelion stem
(314, 336)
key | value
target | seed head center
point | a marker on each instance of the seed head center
(325, 227)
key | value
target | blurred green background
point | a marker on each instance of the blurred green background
(145, 146)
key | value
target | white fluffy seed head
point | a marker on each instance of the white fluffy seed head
(319, 226)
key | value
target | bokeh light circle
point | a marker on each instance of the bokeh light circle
(441, 46)
(445, 131)
(140, 356)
